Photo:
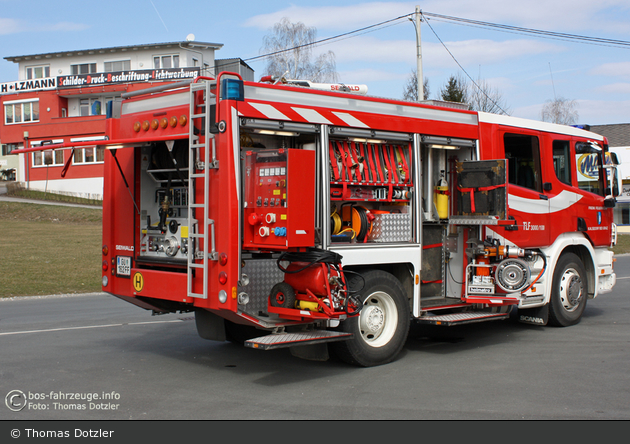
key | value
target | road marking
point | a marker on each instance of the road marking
(85, 327)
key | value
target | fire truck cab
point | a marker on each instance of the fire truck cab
(286, 216)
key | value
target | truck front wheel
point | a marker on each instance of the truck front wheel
(381, 329)
(569, 291)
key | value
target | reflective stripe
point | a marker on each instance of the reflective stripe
(312, 116)
(269, 111)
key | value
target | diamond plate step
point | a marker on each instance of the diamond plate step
(283, 340)
(462, 318)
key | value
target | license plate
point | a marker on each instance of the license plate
(123, 266)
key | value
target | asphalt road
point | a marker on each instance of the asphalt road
(59, 351)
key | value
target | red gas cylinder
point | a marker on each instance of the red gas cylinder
(314, 278)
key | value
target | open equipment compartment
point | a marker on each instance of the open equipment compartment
(371, 188)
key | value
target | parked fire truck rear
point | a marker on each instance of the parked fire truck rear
(327, 221)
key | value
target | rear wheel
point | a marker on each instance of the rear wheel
(380, 331)
(569, 291)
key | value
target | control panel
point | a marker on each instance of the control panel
(279, 206)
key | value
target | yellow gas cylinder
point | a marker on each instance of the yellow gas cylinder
(440, 196)
(306, 305)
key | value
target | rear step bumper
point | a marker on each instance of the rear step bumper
(283, 340)
(462, 318)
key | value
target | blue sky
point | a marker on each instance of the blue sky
(525, 69)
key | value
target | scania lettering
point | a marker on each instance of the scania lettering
(288, 215)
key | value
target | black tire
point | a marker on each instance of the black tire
(569, 292)
(380, 331)
(282, 295)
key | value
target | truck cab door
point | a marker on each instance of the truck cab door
(528, 201)
(593, 217)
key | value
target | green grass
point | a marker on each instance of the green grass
(623, 244)
(49, 249)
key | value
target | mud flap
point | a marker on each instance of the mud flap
(535, 316)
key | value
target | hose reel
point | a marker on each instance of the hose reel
(512, 275)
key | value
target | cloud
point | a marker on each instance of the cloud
(601, 112)
(467, 52)
(369, 75)
(616, 69)
(614, 88)
(484, 52)
(334, 17)
(13, 26)
(577, 16)
(371, 49)
(10, 26)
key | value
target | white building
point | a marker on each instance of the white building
(63, 96)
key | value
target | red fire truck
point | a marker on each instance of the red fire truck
(287, 216)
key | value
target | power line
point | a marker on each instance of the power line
(538, 32)
(466, 22)
(318, 42)
(462, 68)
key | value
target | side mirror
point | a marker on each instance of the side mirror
(612, 173)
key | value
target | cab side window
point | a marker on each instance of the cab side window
(562, 160)
(523, 154)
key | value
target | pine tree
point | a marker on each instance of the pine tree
(454, 90)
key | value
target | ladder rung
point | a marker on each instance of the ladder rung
(197, 116)
(194, 205)
(196, 265)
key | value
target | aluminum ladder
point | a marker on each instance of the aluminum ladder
(201, 248)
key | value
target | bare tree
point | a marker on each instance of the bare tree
(560, 110)
(487, 98)
(411, 88)
(290, 46)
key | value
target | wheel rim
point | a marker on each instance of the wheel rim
(378, 319)
(280, 298)
(571, 289)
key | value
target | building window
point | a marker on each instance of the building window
(21, 112)
(50, 157)
(166, 61)
(122, 65)
(93, 106)
(7, 148)
(37, 72)
(85, 68)
(89, 155)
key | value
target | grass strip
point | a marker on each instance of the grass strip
(49, 249)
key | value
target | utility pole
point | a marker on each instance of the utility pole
(419, 74)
